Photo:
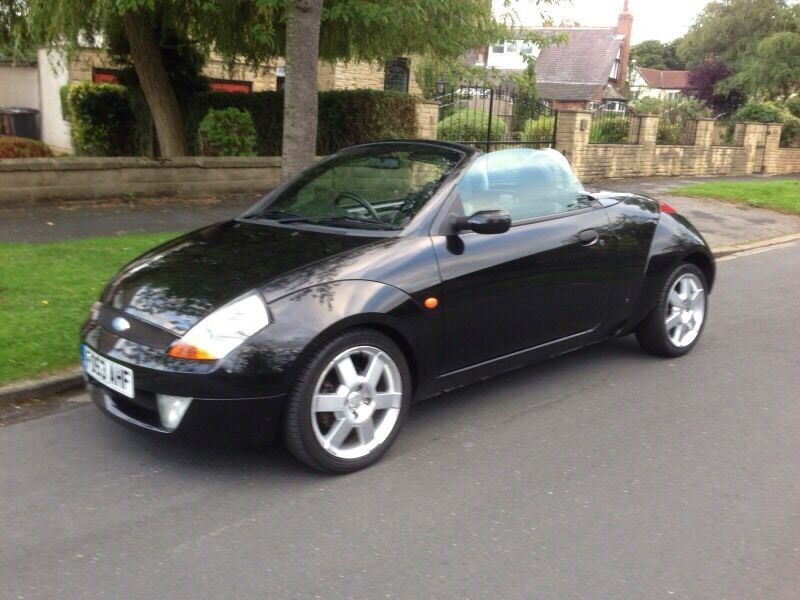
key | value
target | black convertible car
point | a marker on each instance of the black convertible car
(383, 274)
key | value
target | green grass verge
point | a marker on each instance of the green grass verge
(45, 294)
(782, 194)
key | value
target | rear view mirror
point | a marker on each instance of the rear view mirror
(485, 221)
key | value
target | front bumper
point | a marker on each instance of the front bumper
(245, 421)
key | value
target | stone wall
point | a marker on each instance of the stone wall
(759, 153)
(25, 181)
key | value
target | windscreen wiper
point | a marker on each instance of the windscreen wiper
(357, 221)
(282, 216)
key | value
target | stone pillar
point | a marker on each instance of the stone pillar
(648, 132)
(772, 150)
(755, 143)
(704, 134)
(427, 119)
(648, 129)
(572, 136)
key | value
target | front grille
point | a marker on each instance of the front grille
(142, 408)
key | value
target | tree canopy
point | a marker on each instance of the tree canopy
(756, 41)
(15, 40)
(657, 55)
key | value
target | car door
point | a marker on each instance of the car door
(546, 279)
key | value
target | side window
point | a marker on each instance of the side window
(527, 183)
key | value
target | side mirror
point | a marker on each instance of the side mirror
(485, 221)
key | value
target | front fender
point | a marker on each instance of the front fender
(307, 318)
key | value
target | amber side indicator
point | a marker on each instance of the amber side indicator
(431, 302)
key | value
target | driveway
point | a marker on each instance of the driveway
(601, 474)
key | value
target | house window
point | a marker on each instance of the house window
(105, 75)
(396, 76)
(230, 85)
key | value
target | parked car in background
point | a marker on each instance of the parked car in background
(379, 276)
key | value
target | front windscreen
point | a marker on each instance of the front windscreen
(377, 187)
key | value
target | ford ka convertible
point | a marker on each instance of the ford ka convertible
(384, 274)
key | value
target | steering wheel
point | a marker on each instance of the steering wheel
(369, 208)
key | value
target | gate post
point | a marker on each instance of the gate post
(489, 128)
(572, 136)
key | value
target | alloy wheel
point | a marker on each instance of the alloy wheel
(686, 306)
(356, 402)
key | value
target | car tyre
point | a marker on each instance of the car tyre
(348, 403)
(674, 326)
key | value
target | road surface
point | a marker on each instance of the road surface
(602, 474)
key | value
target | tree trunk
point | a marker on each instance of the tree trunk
(301, 96)
(157, 88)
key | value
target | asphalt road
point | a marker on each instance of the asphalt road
(602, 474)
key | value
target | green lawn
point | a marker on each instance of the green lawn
(782, 194)
(45, 294)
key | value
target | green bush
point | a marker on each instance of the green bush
(609, 129)
(16, 147)
(793, 106)
(470, 125)
(647, 106)
(538, 129)
(758, 112)
(103, 122)
(346, 117)
(227, 132)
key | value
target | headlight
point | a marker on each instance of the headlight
(223, 330)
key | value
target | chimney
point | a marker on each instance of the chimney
(624, 26)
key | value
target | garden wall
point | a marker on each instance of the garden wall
(759, 152)
(37, 180)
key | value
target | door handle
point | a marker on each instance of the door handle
(588, 237)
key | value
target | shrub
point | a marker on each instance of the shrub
(793, 106)
(609, 129)
(103, 122)
(346, 117)
(538, 129)
(470, 125)
(648, 106)
(758, 112)
(227, 132)
(17, 147)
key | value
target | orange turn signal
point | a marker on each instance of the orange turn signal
(431, 302)
(187, 351)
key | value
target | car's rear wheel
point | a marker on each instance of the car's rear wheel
(675, 324)
(348, 403)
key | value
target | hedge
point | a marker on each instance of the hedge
(103, 123)
(346, 117)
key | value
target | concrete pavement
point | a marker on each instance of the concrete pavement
(602, 474)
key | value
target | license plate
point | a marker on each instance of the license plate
(107, 372)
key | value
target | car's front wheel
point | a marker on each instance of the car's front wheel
(348, 403)
(675, 324)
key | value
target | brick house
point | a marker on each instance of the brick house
(36, 84)
(589, 68)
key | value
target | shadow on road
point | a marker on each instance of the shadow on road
(502, 398)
